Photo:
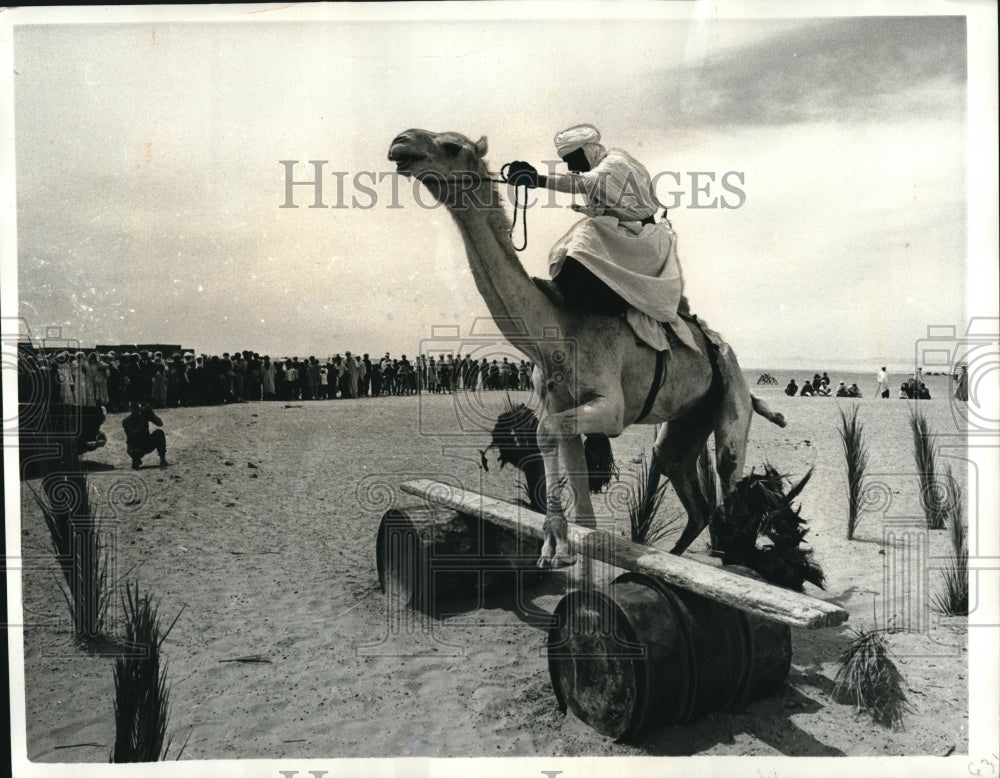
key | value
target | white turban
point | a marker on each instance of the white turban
(575, 138)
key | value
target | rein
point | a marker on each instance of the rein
(524, 209)
(501, 178)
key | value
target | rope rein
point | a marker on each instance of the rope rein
(524, 209)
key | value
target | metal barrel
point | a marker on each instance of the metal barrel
(639, 654)
(428, 556)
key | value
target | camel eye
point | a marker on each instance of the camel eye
(451, 149)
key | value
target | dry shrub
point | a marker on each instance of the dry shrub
(869, 680)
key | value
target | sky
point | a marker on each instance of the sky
(149, 181)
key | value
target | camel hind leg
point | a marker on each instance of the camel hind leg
(676, 454)
(731, 421)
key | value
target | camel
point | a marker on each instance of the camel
(595, 377)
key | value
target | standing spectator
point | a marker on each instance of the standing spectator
(366, 375)
(433, 383)
(291, 380)
(388, 378)
(882, 384)
(312, 378)
(962, 390)
(353, 374)
(324, 382)
(101, 371)
(174, 372)
(303, 388)
(267, 376)
(255, 376)
(239, 378)
(444, 375)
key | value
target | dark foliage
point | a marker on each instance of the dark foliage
(757, 527)
(514, 438)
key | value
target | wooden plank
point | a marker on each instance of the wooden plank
(758, 597)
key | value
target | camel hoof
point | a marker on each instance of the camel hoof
(779, 419)
(556, 562)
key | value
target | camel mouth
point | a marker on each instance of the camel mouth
(404, 157)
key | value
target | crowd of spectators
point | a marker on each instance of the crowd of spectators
(820, 386)
(119, 381)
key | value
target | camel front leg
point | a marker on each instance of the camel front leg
(555, 543)
(560, 438)
(573, 464)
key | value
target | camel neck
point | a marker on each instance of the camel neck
(518, 306)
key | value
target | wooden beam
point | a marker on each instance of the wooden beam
(758, 597)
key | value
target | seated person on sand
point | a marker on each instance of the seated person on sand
(138, 440)
(853, 391)
(620, 260)
(904, 391)
(792, 389)
(842, 390)
(824, 389)
(807, 389)
(923, 392)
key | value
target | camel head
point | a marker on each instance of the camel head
(446, 163)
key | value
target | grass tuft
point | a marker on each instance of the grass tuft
(856, 457)
(953, 600)
(925, 453)
(869, 680)
(75, 534)
(141, 691)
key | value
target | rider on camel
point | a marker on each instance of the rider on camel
(620, 257)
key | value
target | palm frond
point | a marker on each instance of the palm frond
(925, 454)
(644, 503)
(142, 708)
(953, 600)
(856, 456)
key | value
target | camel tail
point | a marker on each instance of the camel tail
(764, 410)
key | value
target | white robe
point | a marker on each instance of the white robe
(637, 261)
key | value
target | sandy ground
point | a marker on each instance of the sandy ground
(263, 529)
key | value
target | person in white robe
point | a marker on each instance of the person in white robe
(620, 259)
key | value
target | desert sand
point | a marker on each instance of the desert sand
(263, 530)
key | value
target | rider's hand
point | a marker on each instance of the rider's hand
(522, 174)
